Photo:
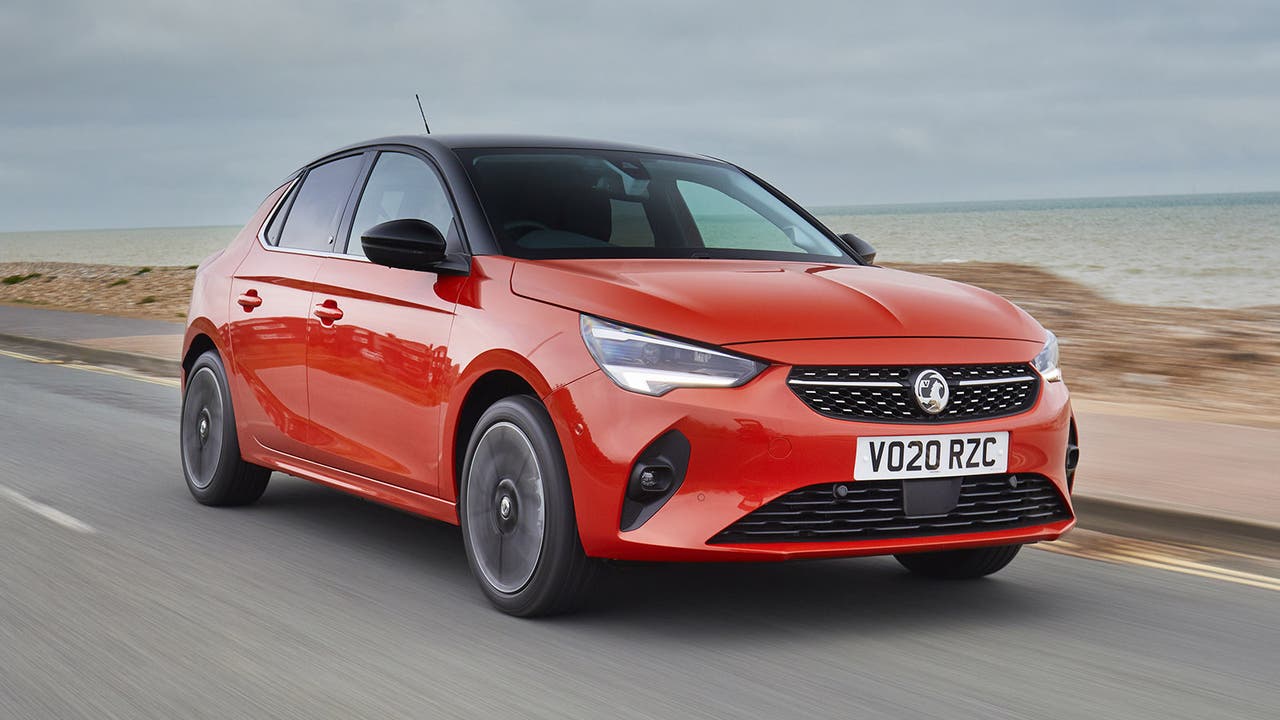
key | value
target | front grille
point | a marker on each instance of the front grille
(884, 394)
(874, 510)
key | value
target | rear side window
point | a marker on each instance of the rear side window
(277, 221)
(401, 186)
(314, 212)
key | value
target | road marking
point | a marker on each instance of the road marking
(28, 358)
(1188, 561)
(49, 513)
(74, 365)
(167, 382)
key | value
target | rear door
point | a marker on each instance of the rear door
(379, 368)
(271, 296)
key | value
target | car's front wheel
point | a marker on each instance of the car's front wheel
(959, 564)
(211, 462)
(516, 509)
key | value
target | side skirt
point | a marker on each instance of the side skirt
(368, 488)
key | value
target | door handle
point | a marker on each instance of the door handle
(249, 300)
(328, 311)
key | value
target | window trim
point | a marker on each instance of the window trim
(281, 209)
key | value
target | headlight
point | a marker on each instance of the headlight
(1046, 363)
(655, 365)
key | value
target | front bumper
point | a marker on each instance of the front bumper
(752, 444)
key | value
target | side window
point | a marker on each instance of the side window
(316, 208)
(631, 226)
(724, 222)
(272, 234)
(402, 186)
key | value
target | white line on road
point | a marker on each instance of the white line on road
(1128, 551)
(167, 382)
(28, 358)
(75, 365)
(49, 513)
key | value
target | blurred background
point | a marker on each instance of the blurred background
(1112, 168)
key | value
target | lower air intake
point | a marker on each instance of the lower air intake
(874, 510)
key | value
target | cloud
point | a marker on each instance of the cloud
(168, 113)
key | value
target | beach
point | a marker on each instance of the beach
(1188, 358)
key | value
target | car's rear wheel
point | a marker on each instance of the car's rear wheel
(516, 509)
(959, 564)
(211, 462)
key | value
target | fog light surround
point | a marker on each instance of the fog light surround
(654, 478)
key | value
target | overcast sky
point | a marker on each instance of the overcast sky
(169, 112)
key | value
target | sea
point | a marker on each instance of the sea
(1202, 250)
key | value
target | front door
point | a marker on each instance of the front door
(378, 360)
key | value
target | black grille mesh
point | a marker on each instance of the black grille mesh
(874, 510)
(898, 403)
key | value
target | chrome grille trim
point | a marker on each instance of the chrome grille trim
(838, 383)
(997, 381)
(884, 393)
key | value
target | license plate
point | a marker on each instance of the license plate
(906, 457)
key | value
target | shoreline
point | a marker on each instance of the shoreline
(1198, 359)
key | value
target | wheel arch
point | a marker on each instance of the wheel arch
(201, 337)
(488, 388)
(488, 378)
(200, 344)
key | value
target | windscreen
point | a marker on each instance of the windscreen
(583, 203)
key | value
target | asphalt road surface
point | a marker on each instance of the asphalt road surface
(121, 597)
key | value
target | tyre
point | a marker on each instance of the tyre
(959, 564)
(516, 510)
(211, 462)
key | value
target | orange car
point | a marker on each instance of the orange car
(582, 351)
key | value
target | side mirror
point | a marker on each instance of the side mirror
(860, 246)
(410, 244)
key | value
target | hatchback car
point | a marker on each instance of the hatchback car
(584, 351)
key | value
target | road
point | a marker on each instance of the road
(121, 597)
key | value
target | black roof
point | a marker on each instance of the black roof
(470, 141)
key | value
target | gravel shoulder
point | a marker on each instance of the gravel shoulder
(1203, 360)
(159, 293)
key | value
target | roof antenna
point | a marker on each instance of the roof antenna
(424, 114)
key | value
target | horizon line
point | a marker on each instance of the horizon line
(919, 203)
(811, 208)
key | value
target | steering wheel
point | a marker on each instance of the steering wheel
(517, 229)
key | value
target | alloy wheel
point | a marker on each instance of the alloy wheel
(505, 506)
(202, 427)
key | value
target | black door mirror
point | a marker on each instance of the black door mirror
(860, 246)
(410, 244)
